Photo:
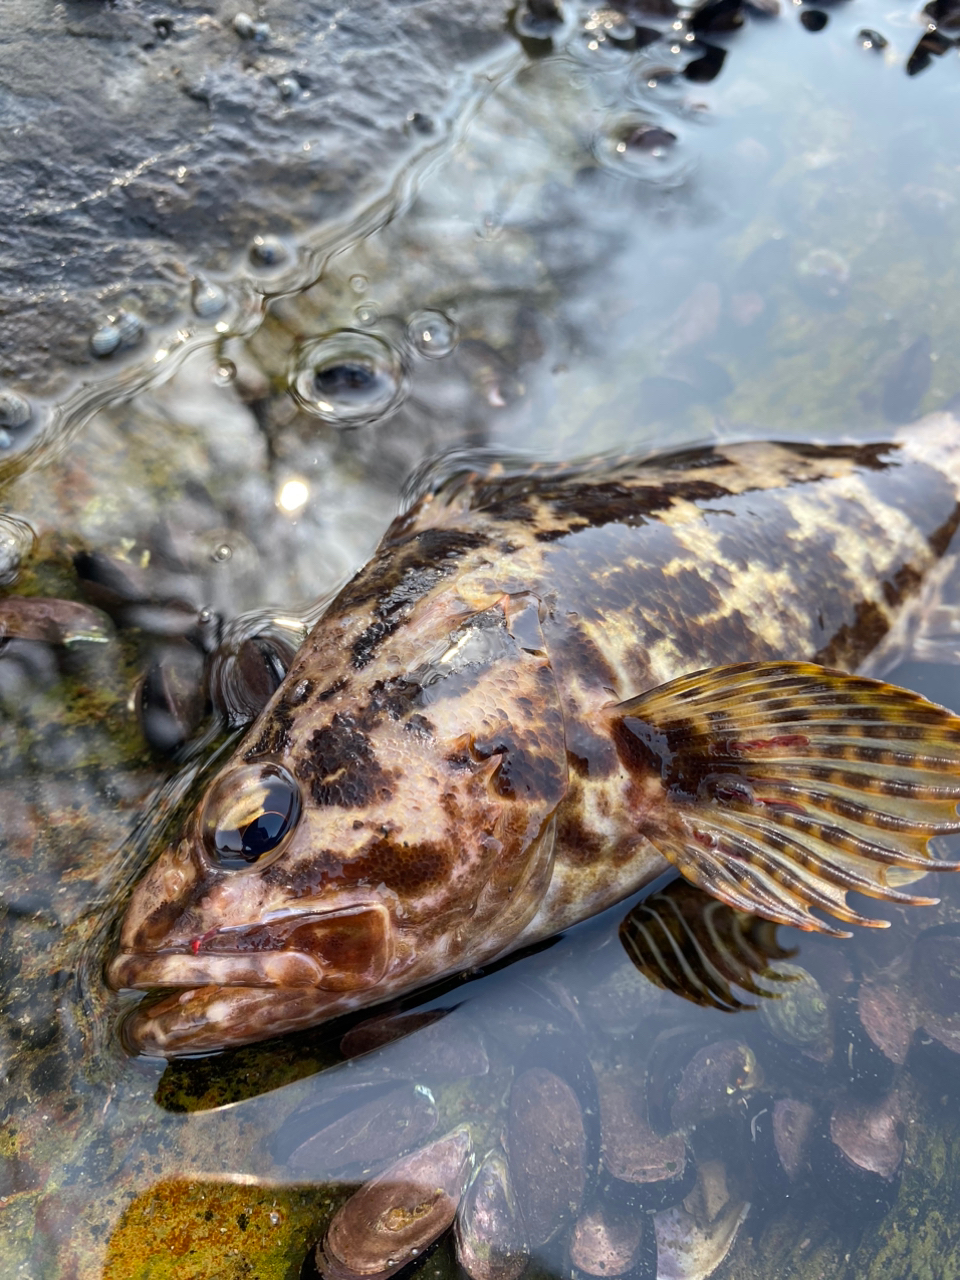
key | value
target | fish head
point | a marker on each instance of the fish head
(378, 827)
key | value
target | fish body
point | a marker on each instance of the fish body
(474, 748)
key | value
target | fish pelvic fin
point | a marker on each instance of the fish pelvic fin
(701, 949)
(780, 787)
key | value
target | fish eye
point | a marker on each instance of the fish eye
(249, 812)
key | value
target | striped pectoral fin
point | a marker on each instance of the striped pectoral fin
(778, 787)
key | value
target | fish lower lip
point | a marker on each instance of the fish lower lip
(338, 951)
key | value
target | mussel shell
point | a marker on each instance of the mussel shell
(393, 1218)
(639, 1167)
(491, 1237)
(695, 1237)
(862, 1155)
(713, 1081)
(547, 1146)
(793, 1130)
(367, 1138)
(935, 969)
(889, 1016)
(171, 700)
(51, 621)
(613, 1240)
(862, 1065)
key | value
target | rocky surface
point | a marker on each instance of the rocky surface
(140, 144)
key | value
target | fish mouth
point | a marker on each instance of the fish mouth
(337, 951)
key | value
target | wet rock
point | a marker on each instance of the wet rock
(491, 1236)
(707, 67)
(364, 1140)
(865, 1154)
(547, 1148)
(268, 251)
(824, 276)
(195, 122)
(945, 13)
(392, 1219)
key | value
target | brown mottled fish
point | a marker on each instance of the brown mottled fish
(522, 709)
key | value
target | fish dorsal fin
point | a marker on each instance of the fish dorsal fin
(778, 787)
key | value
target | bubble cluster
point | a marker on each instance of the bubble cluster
(348, 378)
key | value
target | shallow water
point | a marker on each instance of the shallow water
(549, 276)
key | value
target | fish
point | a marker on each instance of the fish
(549, 686)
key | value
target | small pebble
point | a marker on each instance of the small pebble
(244, 25)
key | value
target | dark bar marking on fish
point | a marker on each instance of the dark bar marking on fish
(341, 766)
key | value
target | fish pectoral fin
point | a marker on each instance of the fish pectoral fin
(778, 787)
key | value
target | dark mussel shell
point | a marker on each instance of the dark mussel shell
(712, 1082)
(613, 1240)
(392, 1219)
(638, 1166)
(863, 1154)
(491, 1237)
(364, 1140)
(547, 1146)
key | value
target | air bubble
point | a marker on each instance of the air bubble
(208, 299)
(222, 553)
(105, 341)
(15, 411)
(268, 251)
(359, 283)
(224, 372)
(367, 314)
(642, 147)
(432, 333)
(348, 378)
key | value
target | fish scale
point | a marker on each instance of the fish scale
(479, 743)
